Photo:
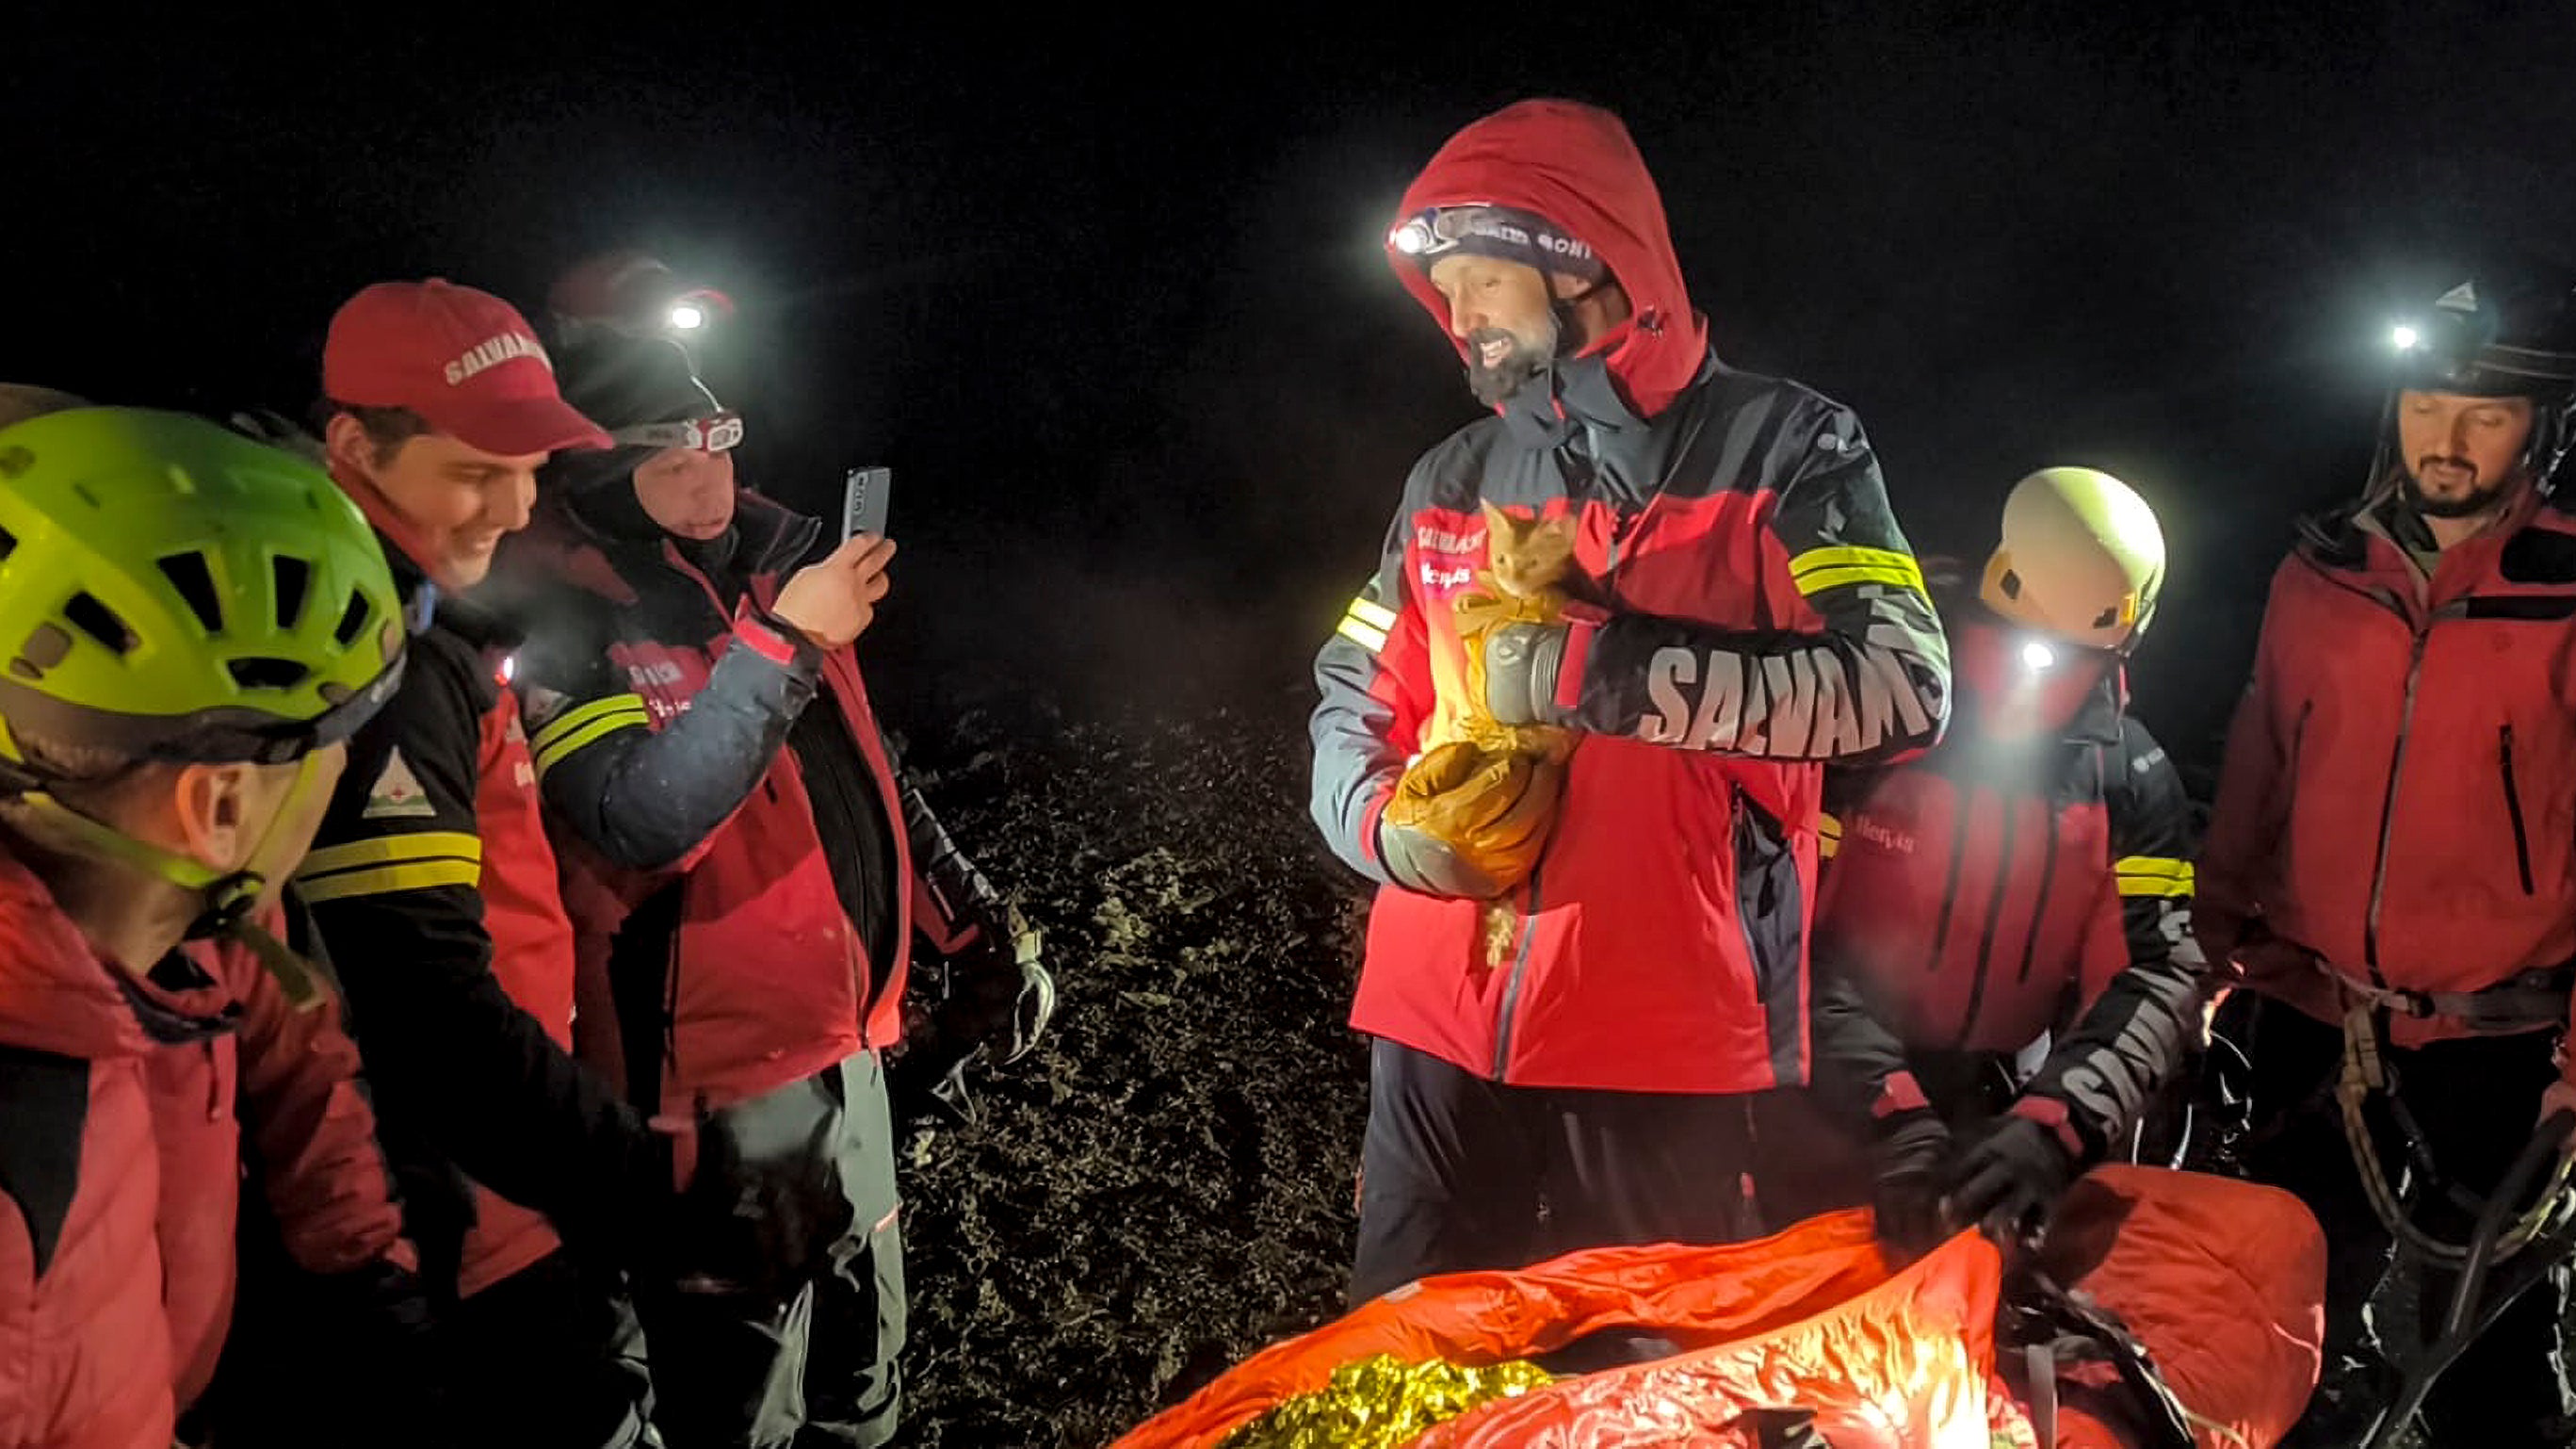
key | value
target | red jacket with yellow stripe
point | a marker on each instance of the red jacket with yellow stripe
(687, 779)
(1998, 889)
(1764, 615)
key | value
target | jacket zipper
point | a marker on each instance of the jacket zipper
(2039, 906)
(1950, 888)
(1512, 984)
(2513, 807)
(2388, 807)
(1994, 918)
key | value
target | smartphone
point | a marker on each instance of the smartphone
(863, 502)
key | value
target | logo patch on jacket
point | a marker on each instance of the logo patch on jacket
(397, 794)
(1886, 837)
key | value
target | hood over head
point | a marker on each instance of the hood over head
(1574, 166)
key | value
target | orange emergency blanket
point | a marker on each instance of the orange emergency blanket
(2223, 1281)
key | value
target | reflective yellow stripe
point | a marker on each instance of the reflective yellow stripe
(1845, 556)
(386, 879)
(1368, 638)
(1377, 615)
(386, 849)
(1832, 568)
(2153, 875)
(1829, 836)
(555, 750)
(412, 861)
(2164, 865)
(579, 715)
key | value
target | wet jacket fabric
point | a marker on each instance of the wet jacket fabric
(1760, 613)
(2397, 810)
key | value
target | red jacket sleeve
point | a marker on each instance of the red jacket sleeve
(310, 1132)
(2247, 818)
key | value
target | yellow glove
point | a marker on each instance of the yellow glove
(1467, 821)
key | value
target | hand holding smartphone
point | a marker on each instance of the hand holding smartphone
(865, 494)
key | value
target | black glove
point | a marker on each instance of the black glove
(437, 1212)
(2008, 1181)
(1910, 1160)
(755, 1228)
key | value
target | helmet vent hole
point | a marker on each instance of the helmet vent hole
(187, 572)
(2108, 619)
(8, 543)
(353, 620)
(256, 672)
(2012, 584)
(292, 575)
(48, 646)
(99, 622)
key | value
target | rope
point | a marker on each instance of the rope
(2364, 1073)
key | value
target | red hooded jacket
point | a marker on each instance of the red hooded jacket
(1763, 615)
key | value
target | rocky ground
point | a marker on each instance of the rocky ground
(1166, 1184)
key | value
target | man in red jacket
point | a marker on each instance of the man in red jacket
(1744, 608)
(2390, 868)
(747, 872)
(2025, 885)
(199, 623)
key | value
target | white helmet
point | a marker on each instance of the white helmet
(2081, 559)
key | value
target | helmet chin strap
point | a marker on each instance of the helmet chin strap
(230, 896)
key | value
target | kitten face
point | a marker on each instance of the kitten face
(1525, 554)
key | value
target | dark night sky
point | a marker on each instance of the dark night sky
(1107, 295)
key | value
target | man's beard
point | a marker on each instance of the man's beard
(1494, 385)
(2478, 498)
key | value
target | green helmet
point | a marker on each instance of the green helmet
(170, 590)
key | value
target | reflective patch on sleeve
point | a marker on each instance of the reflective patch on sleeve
(2152, 875)
(1829, 836)
(414, 861)
(1836, 567)
(1371, 613)
(585, 724)
(1366, 624)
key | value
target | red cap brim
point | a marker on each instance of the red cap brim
(516, 426)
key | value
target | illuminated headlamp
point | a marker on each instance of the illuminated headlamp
(719, 434)
(1428, 234)
(2036, 656)
(688, 316)
(1484, 229)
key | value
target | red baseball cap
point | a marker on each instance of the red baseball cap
(466, 361)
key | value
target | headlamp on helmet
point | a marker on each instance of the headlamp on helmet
(2478, 343)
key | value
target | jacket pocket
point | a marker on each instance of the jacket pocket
(2513, 806)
